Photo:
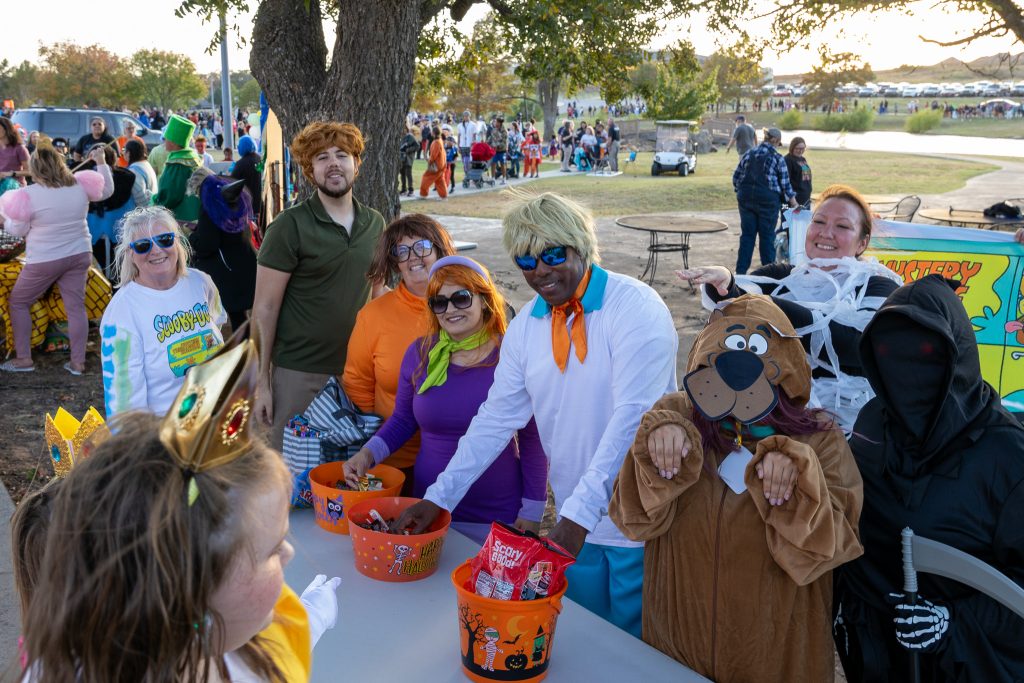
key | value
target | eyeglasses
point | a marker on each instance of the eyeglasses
(460, 299)
(164, 241)
(552, 256)
(402, 252)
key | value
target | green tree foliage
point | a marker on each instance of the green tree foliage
(923, 121)
(682, 90)
(247, 96)
(166, 79)
(851, 121)
(737, 70)
(483, 81)
(831, 73)
(20, 83)
(77, 76)
(791, 120)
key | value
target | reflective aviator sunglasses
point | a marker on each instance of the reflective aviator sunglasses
(163, 240)
(402, 252)
(460, 299)
(552, 256)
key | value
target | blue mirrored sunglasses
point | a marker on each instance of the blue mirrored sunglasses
(164, 241)
(552, 256)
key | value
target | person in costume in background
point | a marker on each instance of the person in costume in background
(158, 157)
(97, 134)
(129, 135)
(386, 326)
(939, 455)
(248, 168)
(740, 490)
(310, 275)
(221, 245)
(189, 556)
(105, 215)
(164, 318)
(182, 161)
(205, 157)
(51, 215)
(146, 184)
(586, 358)
(435, 174)
(829, 299)
(445, 377)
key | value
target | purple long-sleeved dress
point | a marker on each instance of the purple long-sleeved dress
(515, 485)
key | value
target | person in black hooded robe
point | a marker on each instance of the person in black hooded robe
(939, 454)
(221, 242)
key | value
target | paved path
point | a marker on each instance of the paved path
(982, 190)
(10, 621)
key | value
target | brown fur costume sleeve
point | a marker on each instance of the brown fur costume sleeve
(816, 529)
(643, 502)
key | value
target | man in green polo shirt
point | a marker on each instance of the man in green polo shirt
(311, 276)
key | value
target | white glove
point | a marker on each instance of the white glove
(919, 626)
(321, 603)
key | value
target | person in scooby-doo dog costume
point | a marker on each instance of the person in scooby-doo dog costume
(747, 500)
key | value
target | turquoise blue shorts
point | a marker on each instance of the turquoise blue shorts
(608, 581)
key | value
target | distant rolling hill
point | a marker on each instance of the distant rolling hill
(951, 70)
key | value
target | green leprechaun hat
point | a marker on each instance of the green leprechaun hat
(179, 130)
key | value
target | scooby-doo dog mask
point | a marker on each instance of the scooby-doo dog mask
(747, 350)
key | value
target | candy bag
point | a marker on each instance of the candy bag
(517, 565)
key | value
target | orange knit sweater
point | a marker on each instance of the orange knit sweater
(384, 329)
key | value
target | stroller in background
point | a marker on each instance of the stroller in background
(478, 174)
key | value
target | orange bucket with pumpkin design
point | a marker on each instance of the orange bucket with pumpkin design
(395, 557)
(330, 504)
(504, 640)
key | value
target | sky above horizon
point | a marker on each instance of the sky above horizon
(885, 40)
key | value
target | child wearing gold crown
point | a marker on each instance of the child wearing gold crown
(166, 547)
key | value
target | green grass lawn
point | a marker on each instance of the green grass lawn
(710, 188)
(982, 127)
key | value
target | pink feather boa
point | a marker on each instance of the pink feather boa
(92, 182)
(16, 205)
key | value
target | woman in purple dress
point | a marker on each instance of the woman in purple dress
(444, 378)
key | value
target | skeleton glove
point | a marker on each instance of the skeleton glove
(920, 626)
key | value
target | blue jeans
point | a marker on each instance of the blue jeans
(758, 221)
(608, 581)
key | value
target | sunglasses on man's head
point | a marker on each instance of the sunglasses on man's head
(164, 241)
(460, 299)
(402, 252)
(552, 256)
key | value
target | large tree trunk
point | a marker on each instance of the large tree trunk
(368, 82)
(547, 94)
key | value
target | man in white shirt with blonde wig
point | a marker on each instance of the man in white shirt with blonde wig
(586, 357)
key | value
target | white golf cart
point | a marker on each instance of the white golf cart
(674, 150)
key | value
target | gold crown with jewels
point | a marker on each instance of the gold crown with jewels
(68, 439)
(210, 421)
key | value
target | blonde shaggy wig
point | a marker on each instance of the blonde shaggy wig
(536, 222)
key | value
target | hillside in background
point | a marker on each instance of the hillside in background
(952, 70)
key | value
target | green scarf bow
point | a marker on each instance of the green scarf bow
(441, 355)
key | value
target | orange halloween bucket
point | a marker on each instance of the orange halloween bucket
(394, 557)
(504, 640)
(330, 503)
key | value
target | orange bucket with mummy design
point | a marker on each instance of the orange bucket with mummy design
(504, 640)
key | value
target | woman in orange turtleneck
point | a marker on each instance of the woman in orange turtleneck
(386, 326)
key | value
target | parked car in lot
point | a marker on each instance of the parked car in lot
(71, 124)
(909, 91)
(930, 91)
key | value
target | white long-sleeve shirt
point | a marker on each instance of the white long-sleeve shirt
(587, 416)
